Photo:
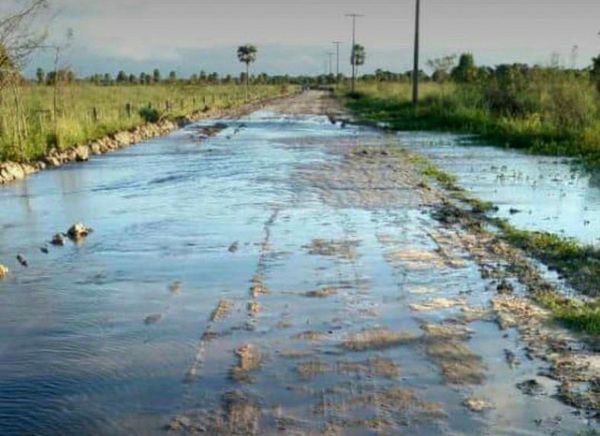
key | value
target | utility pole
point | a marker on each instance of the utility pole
(415, 96)
(330, 56)
(337, 52)
(354, 17)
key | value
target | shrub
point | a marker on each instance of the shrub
(149, 114)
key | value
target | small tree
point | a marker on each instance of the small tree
(466, 71)
(122, 77)
(40, 76)
(358, 57)
(172, 77)
(156, 75)
(247, 55)
(441, 67)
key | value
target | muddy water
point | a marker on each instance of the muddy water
(232, 286)
(534, 192)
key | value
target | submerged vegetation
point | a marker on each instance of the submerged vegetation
(547, 110)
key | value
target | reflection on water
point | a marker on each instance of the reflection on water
(534, 192)
(95, 340)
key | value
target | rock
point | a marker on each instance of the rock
(504, 287)
(78, 231)
(234, 247)
(44, 250)
(82, 153)
(10, 171)
(52, 161)
(22, 261)
(531, 387)
(58, 239)
(179, 423)
(123, 139)
(3, 271)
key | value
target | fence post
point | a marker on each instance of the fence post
(128, 109)
(95, 114)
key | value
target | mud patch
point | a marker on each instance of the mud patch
(310, 335)
(477, 404)
(222, 310)
(321, 293)
(312, 368)
(377, 339)
(378, 366)
(459, 365)
(437, 304)
(345, 249)
(249, 359)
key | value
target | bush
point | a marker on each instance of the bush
(149, 114)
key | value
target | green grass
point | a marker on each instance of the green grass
(576, 315)
(560, 115)
(87, 112)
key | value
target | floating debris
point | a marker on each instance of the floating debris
(3, 271)
(235, 246)
(44, 250)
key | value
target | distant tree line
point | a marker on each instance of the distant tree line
(459, 69)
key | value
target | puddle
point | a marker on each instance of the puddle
(533, 192)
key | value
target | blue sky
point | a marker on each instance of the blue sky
(294, 36)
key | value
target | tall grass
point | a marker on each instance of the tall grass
(85, 112)
(547, 111)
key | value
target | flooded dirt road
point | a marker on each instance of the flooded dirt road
(289, 275)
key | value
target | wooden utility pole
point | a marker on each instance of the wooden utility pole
(353, 16)
(415, 96)
(337, 53)
(330, 57)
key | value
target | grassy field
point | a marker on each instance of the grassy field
(553, 113)
(85, 112)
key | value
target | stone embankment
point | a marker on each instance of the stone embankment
(15, 171)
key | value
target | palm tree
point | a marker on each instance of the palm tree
(247, 54)
(358, 58)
